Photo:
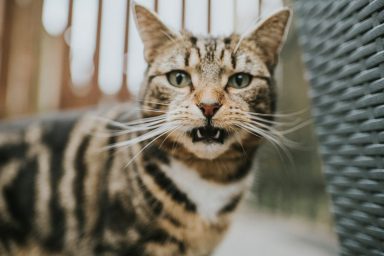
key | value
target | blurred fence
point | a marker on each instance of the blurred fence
(58, 54)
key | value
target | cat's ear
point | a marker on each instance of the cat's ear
(270, 34)
(152, 30)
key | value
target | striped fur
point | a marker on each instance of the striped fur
(68, 188)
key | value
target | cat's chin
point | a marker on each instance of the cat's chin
(208, 151)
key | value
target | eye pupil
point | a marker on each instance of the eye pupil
(239, 79)
(179, 78)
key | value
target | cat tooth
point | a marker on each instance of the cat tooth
(217, 135)
(199, 135)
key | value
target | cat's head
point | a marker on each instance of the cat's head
(214, 91)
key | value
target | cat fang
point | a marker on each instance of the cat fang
(208, 134)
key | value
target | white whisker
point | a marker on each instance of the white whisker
(278, 142)
(150, 143)
(297, 127)
(126, 124)
(169, 134)
(142, 137)
(127, 131)
(274, 122)
(297, 113)
(143, 122)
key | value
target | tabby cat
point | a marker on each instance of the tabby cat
(164, 184)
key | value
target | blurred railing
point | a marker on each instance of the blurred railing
(88, 52)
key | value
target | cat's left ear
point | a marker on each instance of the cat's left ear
(152, 30)
(270, 34)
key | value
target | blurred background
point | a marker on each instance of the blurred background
(64, 54)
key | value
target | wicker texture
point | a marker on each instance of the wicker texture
(343, 49)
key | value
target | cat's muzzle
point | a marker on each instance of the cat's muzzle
(208, 134)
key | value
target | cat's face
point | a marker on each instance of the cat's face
(210, 89)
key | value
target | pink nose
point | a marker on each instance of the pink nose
(209, 110)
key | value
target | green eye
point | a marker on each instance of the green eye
(240, 80)
(179, 78)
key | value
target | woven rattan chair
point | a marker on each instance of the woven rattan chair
(343, 49)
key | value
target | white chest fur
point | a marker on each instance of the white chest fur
(209, 197)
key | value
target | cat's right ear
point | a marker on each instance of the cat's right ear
(152, 30)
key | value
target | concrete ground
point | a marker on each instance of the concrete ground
(257, 234)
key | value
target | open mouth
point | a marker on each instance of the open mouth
(208, 134)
